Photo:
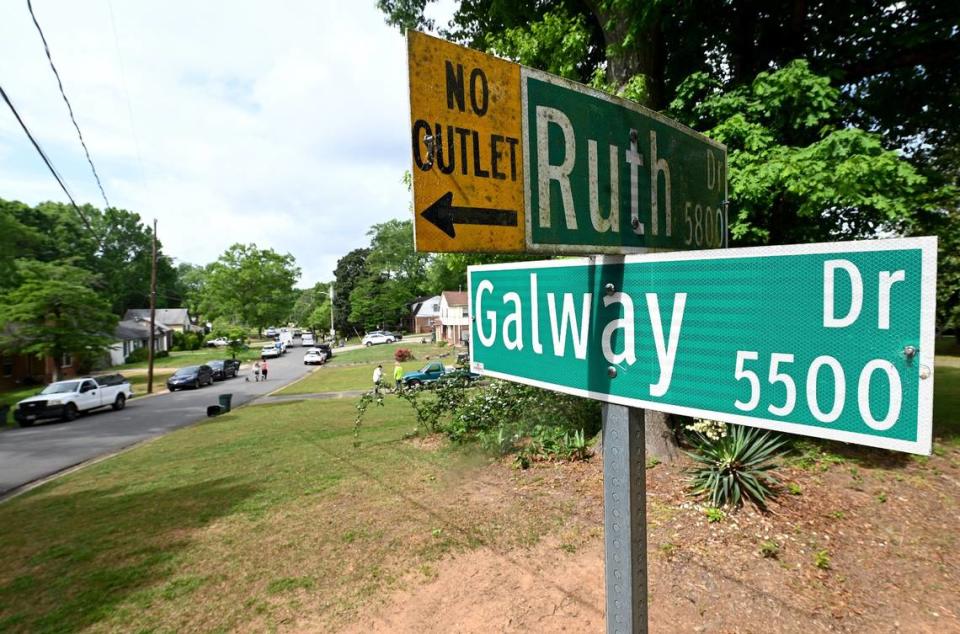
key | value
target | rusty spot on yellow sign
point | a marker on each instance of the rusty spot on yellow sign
(465, 132)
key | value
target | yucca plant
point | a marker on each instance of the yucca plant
(736, 466)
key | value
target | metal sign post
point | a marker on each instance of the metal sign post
(624, 519)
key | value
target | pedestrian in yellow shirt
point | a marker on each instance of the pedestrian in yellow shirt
(397, 374)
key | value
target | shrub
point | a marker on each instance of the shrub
(714, 514)
(140, 354)
(821, 559)
(769, 549)
(402, 354)
(187, 340)
(736, 467)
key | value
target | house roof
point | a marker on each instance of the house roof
(178, 316)
(455, 298)
(129, 329)
(423, 307)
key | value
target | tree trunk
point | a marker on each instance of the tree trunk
(646, 57)
(660, 442)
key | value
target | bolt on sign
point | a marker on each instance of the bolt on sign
(507, 158)
(826, 340)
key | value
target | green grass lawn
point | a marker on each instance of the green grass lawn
(384, 353)
(139, 381)
(191, 357)
(946, 403)
(338, 379)
(251, 520)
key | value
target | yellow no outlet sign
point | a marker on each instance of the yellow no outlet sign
(467, 162)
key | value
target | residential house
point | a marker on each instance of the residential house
(423, 313)
(132, 334)
(20, 370)
(173, 318)
(453, 325)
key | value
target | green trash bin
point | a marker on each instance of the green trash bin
(225, 403)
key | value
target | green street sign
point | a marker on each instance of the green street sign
(605, 175)
(826, 340)
(510, 159)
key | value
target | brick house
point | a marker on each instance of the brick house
(423, 314)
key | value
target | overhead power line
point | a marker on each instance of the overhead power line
(46, 48)
(46, 160)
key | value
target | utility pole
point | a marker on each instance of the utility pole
(333, 332)
(153, 310)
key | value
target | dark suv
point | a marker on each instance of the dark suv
(223, 369)
(194, 376)
(326, 348)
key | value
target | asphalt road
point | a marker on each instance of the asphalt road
(32, 453)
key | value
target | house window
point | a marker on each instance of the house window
(7, 367)
(436, 308)
(66, 360)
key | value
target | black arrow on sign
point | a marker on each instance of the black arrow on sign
(444, 215)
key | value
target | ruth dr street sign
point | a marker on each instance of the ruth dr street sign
(507, 159)
(826, 340)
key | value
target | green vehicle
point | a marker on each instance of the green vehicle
(436, 371)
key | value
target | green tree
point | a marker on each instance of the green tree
(319, 320)
(796, 173)
(250, 286)
(54, 311)
(16, 239)
(117, 248)
(304, 305)
(351, 268)
(188, 291)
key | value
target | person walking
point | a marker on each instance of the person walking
(263, 370)
(256, 371)
(397, 374)
(377, 376)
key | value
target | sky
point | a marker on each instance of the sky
(284, 124)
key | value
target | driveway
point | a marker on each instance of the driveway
(36, 452)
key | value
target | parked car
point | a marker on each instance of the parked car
(427, 374)
(325, 348)
(195, 376)
(307, 339)
(270, 332)
(270, 351)
(396, 335)
(223, 369)
(66, 399)
(315, 356)
(219, 342)
(235, 364)
(374, 338)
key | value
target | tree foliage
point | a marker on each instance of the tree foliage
(251, 286)
(118, 249)
(54, 310)
(351, 268)
(796, 174)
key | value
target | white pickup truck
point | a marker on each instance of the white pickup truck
(66, 399)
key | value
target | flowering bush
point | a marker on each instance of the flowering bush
(402, 354)
(710, 429)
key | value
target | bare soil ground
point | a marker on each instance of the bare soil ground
(866, 542)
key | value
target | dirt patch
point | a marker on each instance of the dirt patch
(432, 442)
(857, 546)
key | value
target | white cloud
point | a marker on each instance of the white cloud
(283, 124)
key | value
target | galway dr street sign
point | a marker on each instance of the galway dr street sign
(827, 340)
(507, 158)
